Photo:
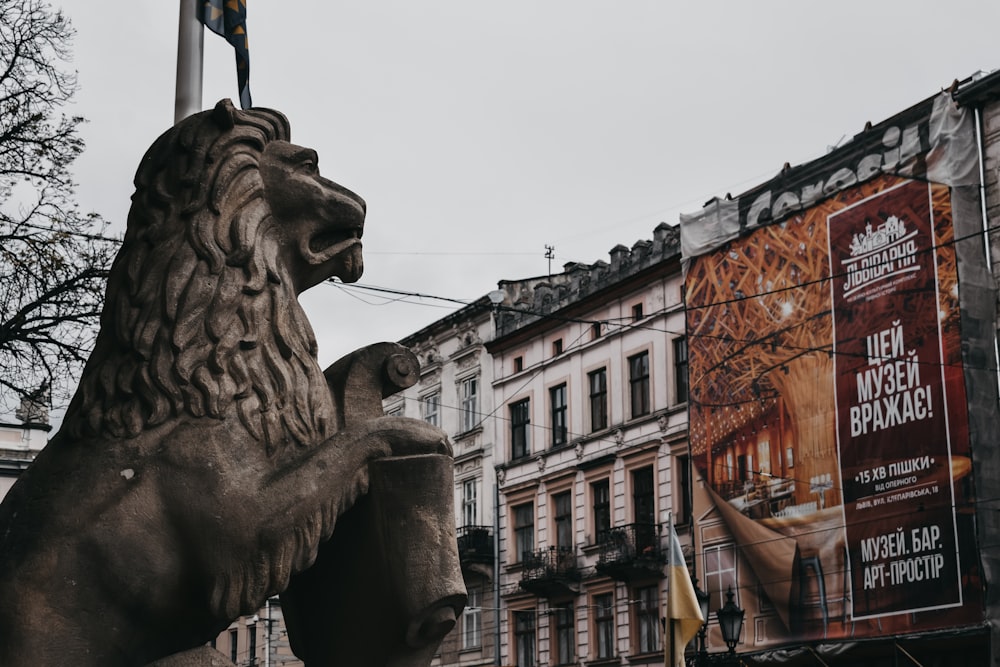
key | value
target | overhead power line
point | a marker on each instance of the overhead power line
(625, 323)
(686, 308)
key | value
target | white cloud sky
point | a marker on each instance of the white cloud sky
(486, 131)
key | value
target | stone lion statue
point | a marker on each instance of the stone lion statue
(206, 460)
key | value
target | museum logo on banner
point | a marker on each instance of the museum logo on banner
(880, 259)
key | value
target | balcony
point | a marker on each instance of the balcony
(475, 546)
(631, 552)
(550, 572)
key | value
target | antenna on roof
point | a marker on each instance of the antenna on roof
(550, 253)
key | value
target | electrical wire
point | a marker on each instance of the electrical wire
(684, 308)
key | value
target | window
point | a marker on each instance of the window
(470, 502)
(595, 331)
(682, 479)
(518, 364)
(604, 625)
(520, 423)
(524, 638)
(557, 405)
(395, 412)
(252, 641)
(562, 514)
(431, 404)
(681, 369)
(234, 642)
(557, 347)
(644, 509)
(789, 457)
(637, 312)
(472, 619)
(601, 492)
(469, 401)
(598, 383)
(638, 377)
(643, 495)
(524, 531)
(764, 458)
(647, 619)
(720, 574)
(565, 634)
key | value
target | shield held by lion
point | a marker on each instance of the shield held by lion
(206, 462)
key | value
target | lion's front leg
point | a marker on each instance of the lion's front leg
(306, 498)
(386, 586)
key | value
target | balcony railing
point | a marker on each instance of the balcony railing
(631, 552)
(475, 545)
(550, 572)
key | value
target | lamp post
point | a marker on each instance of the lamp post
(703, 598)
(731, 623)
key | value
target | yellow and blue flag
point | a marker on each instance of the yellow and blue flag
(683, 611)
(228, 18)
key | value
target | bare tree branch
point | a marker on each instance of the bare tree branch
(53, 258)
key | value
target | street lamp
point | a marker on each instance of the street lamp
(730, 622)
(703, 600)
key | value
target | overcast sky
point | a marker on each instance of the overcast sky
(481, 132)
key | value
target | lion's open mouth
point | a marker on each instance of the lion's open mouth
(328, 244)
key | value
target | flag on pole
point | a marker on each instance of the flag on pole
(228, 18)
(683, 612)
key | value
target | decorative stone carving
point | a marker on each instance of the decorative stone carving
(466, 361)
(662, 421)
(206, 462)
(429, 354)
(430, 379)
(469, 336)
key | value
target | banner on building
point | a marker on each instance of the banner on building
(828, 408)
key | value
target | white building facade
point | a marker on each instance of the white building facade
(589, 373)
(454, 392)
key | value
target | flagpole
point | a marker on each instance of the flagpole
(190, 55)
(670, 594)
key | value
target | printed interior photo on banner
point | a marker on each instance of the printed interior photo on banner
(828, 408)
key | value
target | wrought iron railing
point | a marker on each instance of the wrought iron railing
(554, 562)
(475, 543)
(629, 543)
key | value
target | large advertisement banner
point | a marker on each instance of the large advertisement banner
(828, 417)
(893, 434)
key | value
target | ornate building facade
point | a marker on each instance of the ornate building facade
(590, 380)
(454, 392)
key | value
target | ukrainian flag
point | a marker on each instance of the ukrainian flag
(683, 612)
(228, 18)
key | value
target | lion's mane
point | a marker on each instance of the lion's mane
(200, 318)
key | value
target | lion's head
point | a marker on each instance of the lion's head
(229, 222)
